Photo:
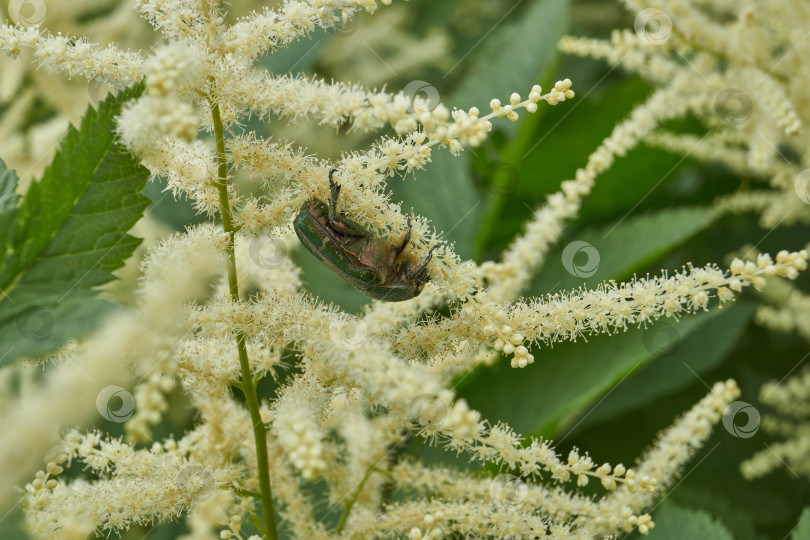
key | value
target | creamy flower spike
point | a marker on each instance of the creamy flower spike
(364, 385)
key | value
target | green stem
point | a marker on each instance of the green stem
(347, 506)
(258, 524)
(247, 493)
(248, 388)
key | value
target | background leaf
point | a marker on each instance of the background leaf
(564, 380)
(68, 235)
(802, 531)
(675, 523)
(622, 248)
(683, 359)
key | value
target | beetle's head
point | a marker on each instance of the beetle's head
(414, 275)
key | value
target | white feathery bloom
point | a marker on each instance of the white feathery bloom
(609, 308)
(220, 309)
(135, 486)
(175, 67)
(629, 491)
(75, 57)
(746, 82)
(149, 119)
(268, 29)
(297, 431)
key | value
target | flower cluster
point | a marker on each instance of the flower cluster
(740, 69)
(362, 386)
(743, 74)
(790, 423)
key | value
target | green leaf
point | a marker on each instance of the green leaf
(802, 531)
(729, 511)
(445, 193)
(561, 144)
(571, 131)
(676, 523)
(616, 251)
(564, 380)
(67, 235)
(681, 361)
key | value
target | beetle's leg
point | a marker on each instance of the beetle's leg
(334, 187)
(422, 266)
(405, 240)
(343, 227)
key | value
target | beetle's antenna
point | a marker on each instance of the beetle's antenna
(405, 240)
(334, 187)
(422, 266)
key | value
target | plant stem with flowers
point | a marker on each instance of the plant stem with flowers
(248, 382)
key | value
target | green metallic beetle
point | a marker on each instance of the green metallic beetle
(368, 262)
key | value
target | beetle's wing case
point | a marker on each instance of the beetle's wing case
(312, 229)
(393, 293)
(369, 263)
